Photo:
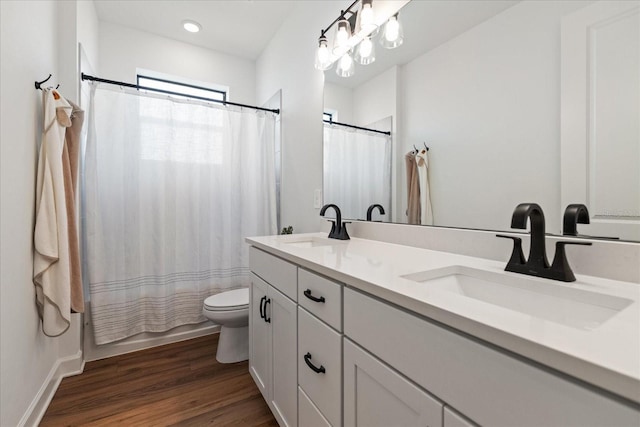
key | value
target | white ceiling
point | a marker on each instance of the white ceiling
(238, 27)
(426, 25)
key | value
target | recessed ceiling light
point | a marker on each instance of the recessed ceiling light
(191, 26)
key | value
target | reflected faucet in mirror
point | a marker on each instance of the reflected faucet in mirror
(574, 214)
(371, 208)
(536, 264)
(338, 228)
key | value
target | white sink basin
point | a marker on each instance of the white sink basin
(544, 299)
(312, 242)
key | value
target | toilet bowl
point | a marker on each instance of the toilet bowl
(230, 310)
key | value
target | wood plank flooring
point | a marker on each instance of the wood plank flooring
(178, 384)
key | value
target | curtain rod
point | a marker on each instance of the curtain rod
(168, 92)
(331, 122)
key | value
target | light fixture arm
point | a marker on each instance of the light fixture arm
(341, 16)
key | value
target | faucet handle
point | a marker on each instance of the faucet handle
(560, 269)
(517, 256)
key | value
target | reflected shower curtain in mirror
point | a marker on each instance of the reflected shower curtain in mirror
(357, 170)
(172, 188)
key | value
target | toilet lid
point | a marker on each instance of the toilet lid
(237, 298)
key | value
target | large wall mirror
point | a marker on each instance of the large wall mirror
(518, 101)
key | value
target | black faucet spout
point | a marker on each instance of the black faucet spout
(537, 252)
(371, 208)
(338, 228)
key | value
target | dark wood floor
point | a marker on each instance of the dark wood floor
(176, 384)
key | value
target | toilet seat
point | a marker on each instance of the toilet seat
(237, 299)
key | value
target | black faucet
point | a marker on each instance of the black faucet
(573, 215)
(371, 208)
(338, 228)
(536, 264)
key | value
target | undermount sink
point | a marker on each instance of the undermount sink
(312, 242)
(564, 304)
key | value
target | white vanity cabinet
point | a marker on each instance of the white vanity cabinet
(486, 385)
(377, 396)
(273, 335)
(332, 355)
(320, 344)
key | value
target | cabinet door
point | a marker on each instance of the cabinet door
(281, 311)
(376, 395)
(259, 337)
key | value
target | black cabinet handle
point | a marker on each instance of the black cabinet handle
(262, 300)
(307, 359)
(267, 319)
(307, 294)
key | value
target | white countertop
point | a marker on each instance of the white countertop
(607, 356)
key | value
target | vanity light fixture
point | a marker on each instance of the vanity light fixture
(323, 56)
(366, 19)
(191, 26)
(346, 66)
(353, 38)
(343, 34)
(365, 52)
(392, 36)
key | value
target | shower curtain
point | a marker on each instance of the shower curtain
(172, 188)
(357, 170)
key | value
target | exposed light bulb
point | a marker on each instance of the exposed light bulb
(345, 66)
(366, 48)
(367, 18)
(323, 56)
(342, 36)
(341, 40)
(392, 34)
(391, 31)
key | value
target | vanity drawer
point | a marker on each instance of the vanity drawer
(478, 380)
(321, 297)
(320, 347)
(308, 414)
(277, 272)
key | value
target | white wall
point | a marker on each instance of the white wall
(488, 103)
(287, 64)
(29, 52)
(340, 99)
(123, 49)
(376, 98)
(38, 38)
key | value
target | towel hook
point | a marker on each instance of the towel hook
(39, 84)
(425, 146)
(415, 149)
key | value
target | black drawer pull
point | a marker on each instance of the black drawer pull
(262, 300)
(267, 319)
(307, 359)
(307, 294)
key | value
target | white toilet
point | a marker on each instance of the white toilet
(230, 310)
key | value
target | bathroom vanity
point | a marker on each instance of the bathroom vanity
(364, 333)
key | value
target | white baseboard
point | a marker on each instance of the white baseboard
(64, 367)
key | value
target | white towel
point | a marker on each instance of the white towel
(51, 274)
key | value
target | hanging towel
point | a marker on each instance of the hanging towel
(51, 273)
(70, 170)
(413, 189)
(426, 214)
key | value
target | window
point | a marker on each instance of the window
(197, 132)
(184, 88)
